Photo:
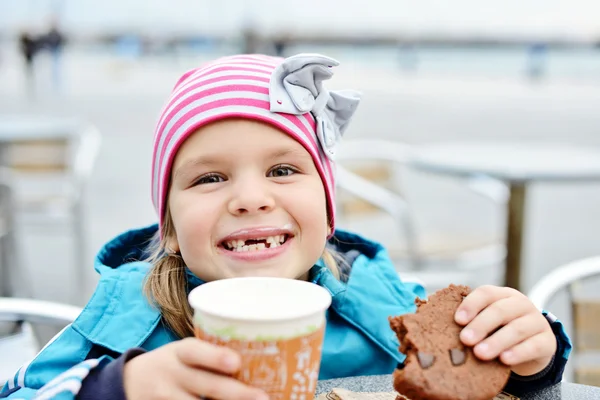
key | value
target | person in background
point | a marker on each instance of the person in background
(28, 47)
(54, 41)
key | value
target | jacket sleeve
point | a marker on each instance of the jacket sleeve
(65, 386)
(57, 371)
(107, 382)
(552, 374)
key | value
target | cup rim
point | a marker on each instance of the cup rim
(318, 290)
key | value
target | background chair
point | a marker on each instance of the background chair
(578, 280)
(20, 345)
(371, 194)
(51, 161)
(13, 281)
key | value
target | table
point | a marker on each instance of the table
(36, 127)
(24, 130)
(517, 164)
(383, 383)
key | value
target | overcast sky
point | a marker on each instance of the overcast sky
(571, 18)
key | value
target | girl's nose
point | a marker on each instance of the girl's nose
(251, 197)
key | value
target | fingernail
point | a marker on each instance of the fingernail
(262, 396)
(232, 361)
(483, 348)
(508, 356)
(461, 316)
(467, 334)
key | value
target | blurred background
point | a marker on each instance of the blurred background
(82, 83)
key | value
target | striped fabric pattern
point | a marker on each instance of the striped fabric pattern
(67, 384)
(234, 86)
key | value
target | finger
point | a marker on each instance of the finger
(219, 387)
(180, 395)
(493, 317)
(538, 346)
(478, 300)
(508, 336)
(200, 354)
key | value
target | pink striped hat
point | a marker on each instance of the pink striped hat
(287, 93)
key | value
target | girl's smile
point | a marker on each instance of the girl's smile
(256, 244)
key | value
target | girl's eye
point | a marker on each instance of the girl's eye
(211, 178)
(281, 171)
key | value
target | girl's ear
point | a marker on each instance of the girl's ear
(172, 246)
(329, 230)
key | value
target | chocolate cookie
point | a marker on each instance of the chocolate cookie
(438, 366)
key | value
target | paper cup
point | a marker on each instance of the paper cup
(276, 325)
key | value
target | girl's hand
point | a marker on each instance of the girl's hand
(502, 322)
(185, 370)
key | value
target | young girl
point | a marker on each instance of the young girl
(243, 183)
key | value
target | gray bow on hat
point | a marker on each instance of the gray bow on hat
(296, 87)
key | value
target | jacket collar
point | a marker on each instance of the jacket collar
(119, 316)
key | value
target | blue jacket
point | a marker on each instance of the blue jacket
(118, 317)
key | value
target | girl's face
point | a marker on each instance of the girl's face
(246, 200)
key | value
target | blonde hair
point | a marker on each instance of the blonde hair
(166, 283)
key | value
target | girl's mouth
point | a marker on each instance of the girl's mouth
(255, 244)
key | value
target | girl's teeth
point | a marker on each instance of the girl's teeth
(279, 239)
(272, 241)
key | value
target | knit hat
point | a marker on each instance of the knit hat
(286, 93)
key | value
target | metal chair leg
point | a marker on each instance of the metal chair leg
(80, 251)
